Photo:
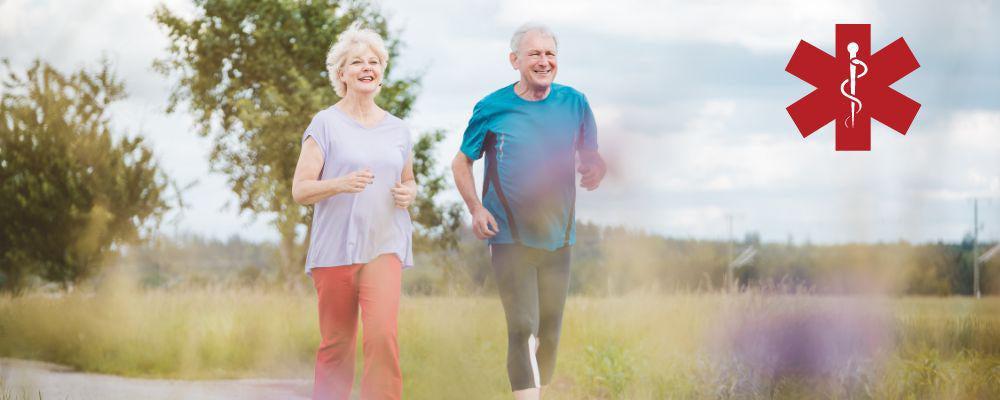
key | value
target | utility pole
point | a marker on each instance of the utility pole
(975, 247)
(729, 253)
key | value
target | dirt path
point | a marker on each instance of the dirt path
(60, 383)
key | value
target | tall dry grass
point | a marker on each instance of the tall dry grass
(687, 346)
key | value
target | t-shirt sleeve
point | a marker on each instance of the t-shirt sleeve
(588, 128)
(472, 139)
(408, 145)
(317, 130)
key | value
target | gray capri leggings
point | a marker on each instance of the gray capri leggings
(533, 284)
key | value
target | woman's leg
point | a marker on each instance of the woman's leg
(380, 283)
(517, 283)
(336, 289)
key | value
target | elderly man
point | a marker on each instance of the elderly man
(531, 132)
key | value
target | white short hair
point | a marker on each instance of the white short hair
(347, 43)
(515, 41)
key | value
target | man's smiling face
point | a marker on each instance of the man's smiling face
(536, 59)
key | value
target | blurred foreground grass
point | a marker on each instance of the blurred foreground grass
(633, 347)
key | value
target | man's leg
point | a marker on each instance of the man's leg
(553, 286)
(517, 283)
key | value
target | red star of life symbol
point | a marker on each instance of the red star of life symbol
(853, 87)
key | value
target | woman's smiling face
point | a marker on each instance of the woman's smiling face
(362, 71)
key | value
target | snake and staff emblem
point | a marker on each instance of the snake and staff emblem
(852, 50)
(834, 95)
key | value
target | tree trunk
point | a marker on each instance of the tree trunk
(290, 269)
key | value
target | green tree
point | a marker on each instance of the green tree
(437, 223)
(70, 189)
(253, 73)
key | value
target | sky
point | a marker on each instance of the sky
(689, 99)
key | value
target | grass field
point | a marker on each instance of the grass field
(635, 347)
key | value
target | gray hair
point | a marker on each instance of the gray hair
(515, 41)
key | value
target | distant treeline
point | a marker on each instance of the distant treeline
(616, 260)
(613, 261)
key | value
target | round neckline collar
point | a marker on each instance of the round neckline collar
(513, 90)
(385, 118)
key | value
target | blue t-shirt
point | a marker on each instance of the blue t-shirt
(529, 184)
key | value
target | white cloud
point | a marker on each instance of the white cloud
(906, 187)
(710, 153)
(14, 14)
(978, 129)
(971, 139)
(768, 25)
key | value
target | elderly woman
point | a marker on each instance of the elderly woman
(531, 133)
(355, 167)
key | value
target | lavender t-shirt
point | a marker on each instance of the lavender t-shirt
(354, 228)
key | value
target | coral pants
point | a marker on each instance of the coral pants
(375, 287)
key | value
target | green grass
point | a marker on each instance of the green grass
(635, 347)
